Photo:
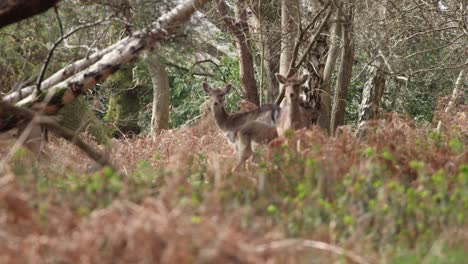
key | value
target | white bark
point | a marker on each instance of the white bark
(344, 75)
(290, 19)
(289, 29)
(325, 108)
(123, 52)
(458, 90)
(161, 95)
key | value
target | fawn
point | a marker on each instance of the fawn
(243, 129)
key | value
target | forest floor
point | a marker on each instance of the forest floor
(399, 195)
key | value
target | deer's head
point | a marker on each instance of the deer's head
(292, 86)
(217, 96)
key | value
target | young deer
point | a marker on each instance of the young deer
(291, 115)
(243, 129)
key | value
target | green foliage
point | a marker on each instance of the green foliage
(398, 198)
(78, 116)
(184, 85)
(124, 107)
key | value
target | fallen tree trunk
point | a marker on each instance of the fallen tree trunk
(85, 73)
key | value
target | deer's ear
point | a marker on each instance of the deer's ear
(280, 78)
(227, 88)
(206, 88)
(303, 78)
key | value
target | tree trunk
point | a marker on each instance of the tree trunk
(325, 107)
(316, 60)
(372, 92)
(458, 91)
(266, 31)
(344, 75)
(124, 106)
(290, 19)
(161, 94)
(240, 30)
(375, 84)
(15, 10)
(247, 70)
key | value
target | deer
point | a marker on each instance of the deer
(243, 130)
(292, 114)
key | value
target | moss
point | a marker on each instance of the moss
(123, 108)
(79, 116)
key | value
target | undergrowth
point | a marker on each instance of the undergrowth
(399, 195)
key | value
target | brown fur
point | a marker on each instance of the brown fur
(291, 115)
(241, 129)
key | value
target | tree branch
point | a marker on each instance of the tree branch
(51, 51)
(10, 112)
(14, 11)
(294, 66)
(103, 63)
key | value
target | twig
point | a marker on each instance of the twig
(286, 243)
(187, 70)
(51, 51)
(59, 20)
(293, 66)
(301, 37)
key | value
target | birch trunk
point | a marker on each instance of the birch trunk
(375, 84)
(290, 19)
(372, 92)
(325, 108)
(161, 94)
(458, 90)
(60, 94)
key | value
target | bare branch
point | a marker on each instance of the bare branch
(289, 243)
(301, 37)
(51, 51)
(294, 66)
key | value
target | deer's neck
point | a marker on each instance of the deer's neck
(293, 115)
(221, 117)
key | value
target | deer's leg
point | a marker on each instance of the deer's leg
(244, 146)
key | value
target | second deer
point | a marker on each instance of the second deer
(243, 129)
(292, 115)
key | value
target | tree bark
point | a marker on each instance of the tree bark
(375, 84)
(240, 30)
(290, 20)
(345, 73)
(161, 94)
(12, 11)
(458, 91)
(325, 95)
(372, 92)
(266, 31)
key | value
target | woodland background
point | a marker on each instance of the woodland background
(382, 177)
